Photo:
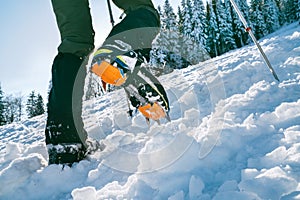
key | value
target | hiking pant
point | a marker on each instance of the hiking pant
(64, 122)
(138, 29)
(75, 26)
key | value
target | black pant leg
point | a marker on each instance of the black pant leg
(138, 29)
(64, 123)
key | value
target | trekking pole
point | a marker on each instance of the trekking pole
(248, 29)
(110, 13)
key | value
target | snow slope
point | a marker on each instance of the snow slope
(235, 134)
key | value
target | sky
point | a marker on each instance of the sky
(29, 39)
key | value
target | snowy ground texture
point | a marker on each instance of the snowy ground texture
(235, 134)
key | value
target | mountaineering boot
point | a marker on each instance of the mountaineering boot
(63, 149)
(63, 143)
(65, 134)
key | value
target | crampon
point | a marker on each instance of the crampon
(143, 90)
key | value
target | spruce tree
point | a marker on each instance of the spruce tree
(240, 35)
(298, 10)
(218, 12)
(13, 108)
(185, 30)
(195, 40)
(229, 40)
(257, 19)
(180, 20)
(271, 15)
(187, 19)
(39, 108)
(168, 17)
(10, 112)
(2, 108)
(198, 23)
(19, 104)
(291, 10)
(244, 7)
(224, 20)
(281, 10)
(212, 31)
(298, 13)
(31, 104)
(35, 105)
(167, 49)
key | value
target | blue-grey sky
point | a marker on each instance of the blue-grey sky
(29, 38)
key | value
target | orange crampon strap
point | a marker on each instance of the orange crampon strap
(108, 73)
(154, 111)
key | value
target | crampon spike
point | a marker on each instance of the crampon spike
(147, 121)
(168, 117)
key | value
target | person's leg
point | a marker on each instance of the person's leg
(65, 134)
(75, 26)
(135, 32)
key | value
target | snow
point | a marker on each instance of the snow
(234, 134)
